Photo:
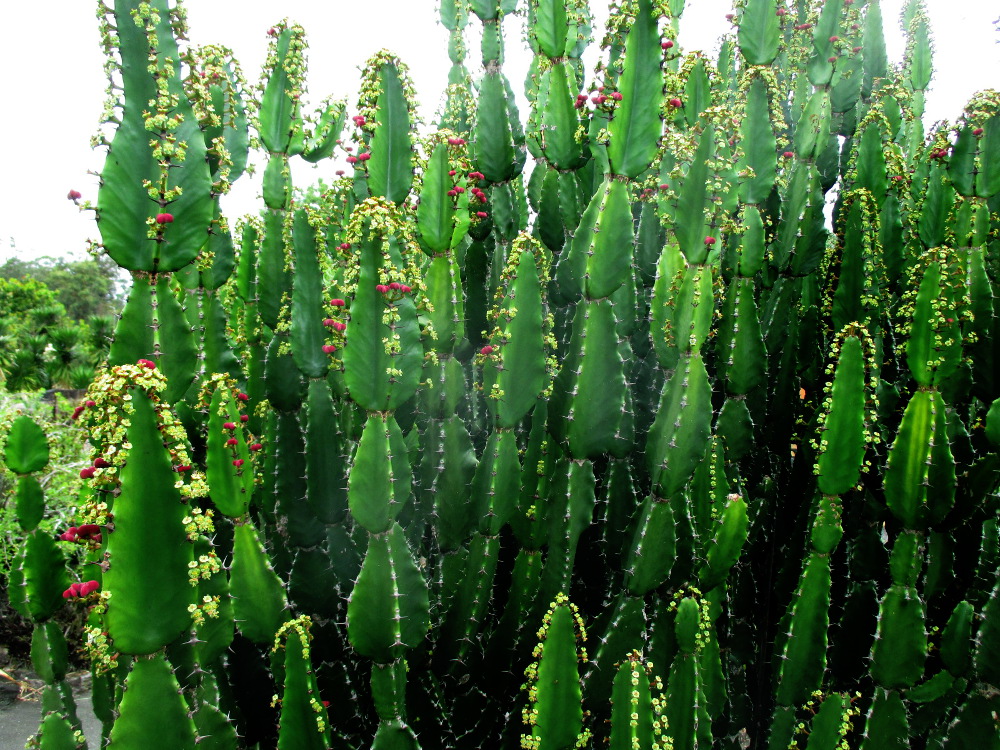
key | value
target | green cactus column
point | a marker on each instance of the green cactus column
(554, 715)
(387, 612)
(39, 585)
(140, 486)
(515, 371)
(843, 434)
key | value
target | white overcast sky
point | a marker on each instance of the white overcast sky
(52, 85)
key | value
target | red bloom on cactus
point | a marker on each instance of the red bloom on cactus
(238, 462)
(272, 31)
(149, 365)
(87, 473)
(710, 241)
(781, 11)
(77, 412)
(381, 288)
(365, 156)
(486, 350)
(617, 96)
(394, 286)
(183, 468)
(232, 441)
(329, 348)
(164, 218)
(89, 530)
(91, 403)
(352, 160)
(358, 120)
(256, 447)
(89, 587)
(479, 175)
(403, 288)
(452, 193)
(100, 463)
(337, 302)
(666, 44)
(788, 154)
(79, 590)
(242, 397)
(244, 418)
(74, 195)
(481, 214)
(70, 535)
(229, 426)
(338, 326)
(977, 132)
(832, 59)
(834, 38)
(675, 103)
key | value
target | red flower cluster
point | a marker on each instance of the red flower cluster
(87, 532)
(81, 590)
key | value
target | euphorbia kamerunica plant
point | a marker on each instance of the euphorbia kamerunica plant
(680, 434)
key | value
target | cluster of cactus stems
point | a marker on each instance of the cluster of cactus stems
(683, 437)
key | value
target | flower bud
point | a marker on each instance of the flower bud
(88, 588)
